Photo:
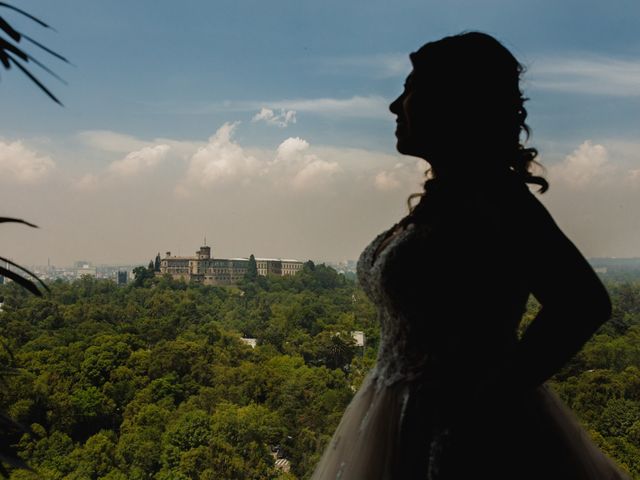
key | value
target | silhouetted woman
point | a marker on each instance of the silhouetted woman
(455, 394)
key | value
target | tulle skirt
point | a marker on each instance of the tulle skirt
(407, 430)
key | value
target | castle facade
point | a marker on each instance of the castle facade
(203, 268)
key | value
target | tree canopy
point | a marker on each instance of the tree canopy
(153, 380)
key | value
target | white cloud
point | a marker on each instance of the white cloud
(592, 75)
(401, 176)
(634, 175)
(585, 166)
(115, 142)
(383, 65)
(293, 167)
(281, 119)
(314, 175)
(296, 166)
(386, 181)
(88, 181)
(221, 160)
(372, 106)
(20, 164)
(110, 141)
(139, 161)
(357, 106)
(290, 148)
(300, 195)
(594, 197)
(610, 166)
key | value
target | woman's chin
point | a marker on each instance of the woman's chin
(401, 145)
(406, 148)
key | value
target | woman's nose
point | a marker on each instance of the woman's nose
(395, 105)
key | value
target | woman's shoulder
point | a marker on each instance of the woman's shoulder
(463, 211)
(528, 209)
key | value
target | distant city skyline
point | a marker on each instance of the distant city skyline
(613, 260)
(144, 262)
(266, 127)
(111, 270)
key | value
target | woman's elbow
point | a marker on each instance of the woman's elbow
(595, 305)
(589, 304)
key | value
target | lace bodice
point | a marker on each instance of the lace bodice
(445, 293)
(394, 360)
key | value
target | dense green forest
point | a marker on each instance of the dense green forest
(153, 381)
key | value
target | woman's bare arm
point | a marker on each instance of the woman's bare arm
(574, 302)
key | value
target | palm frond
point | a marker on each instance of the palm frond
(47, 69)
(20, 280)
(8, 47)
(17, 220)
(8, 29)
(26, 14)
(35, 80)
(48, 50)
(28, 272)
(8, 50)
(11, 54)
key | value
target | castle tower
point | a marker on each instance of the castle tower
(204, 253)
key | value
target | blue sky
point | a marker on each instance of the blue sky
(163, 137)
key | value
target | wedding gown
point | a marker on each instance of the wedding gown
(450, 295)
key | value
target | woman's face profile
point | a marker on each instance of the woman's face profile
(420, 121)
(405, 108)
(432, 112)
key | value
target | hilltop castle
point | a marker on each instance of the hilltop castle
(203, 268)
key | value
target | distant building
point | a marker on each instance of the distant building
(85, 268)
(203, 268)
(358, 336)
(123, 277)
(283, 465)
(252, 342)
(279, 461)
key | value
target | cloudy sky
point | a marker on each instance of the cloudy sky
(264, 124)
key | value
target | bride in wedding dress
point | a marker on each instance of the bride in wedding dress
(455, 394)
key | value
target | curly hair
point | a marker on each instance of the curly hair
(474, 73)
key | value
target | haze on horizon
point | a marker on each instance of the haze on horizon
(265, 127)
